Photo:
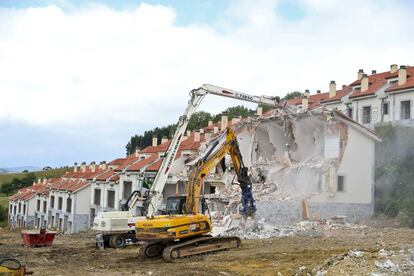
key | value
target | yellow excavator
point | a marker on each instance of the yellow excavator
(183, 231)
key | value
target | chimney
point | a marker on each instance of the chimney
(92, 166)
(210, 123)
(259, 111)
(188, 133)
(215, 129)
(164, 139)
(402, 75)
(224, 122)
(305, 100)
(373, 72)
(154, 140)
(39, 181)
(318, 91)
(102, 165)
(44, 181)
(393, 68)
(75, 167)
(196, 136)
(202, 130)
(137, 150)
(332, 89)
(364, 83)
(360, 73)
(83, 167)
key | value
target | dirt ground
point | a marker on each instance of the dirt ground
(331, 252)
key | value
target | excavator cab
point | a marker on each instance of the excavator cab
(176, 205)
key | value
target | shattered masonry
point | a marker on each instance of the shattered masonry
(294, 159)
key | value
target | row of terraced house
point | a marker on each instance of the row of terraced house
(370, 99)
(69, 203)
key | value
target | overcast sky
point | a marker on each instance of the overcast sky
(78, 79)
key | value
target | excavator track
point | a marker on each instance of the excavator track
(198, 246)
(151, 250)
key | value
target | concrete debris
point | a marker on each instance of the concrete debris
(293, 159)
(383, 253)
(356, 254)
(232, 225)
(388, 265)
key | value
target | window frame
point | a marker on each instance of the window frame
(364, 121)
(340, 185)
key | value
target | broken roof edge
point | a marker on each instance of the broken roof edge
(364, 130)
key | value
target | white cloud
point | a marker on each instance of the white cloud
(97, 65)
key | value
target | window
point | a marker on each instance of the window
(127, 189)
(69, 205)
(340, 183)
(24, 209)
(385, 108)
(349, 112)
(38, 205)
(97, 197)
(20, 207)
(366, 115)
(212, 189)
(60, 203)
(111, 199)
(10, 209)
(52, 202)
(44, 206)
(405, 110)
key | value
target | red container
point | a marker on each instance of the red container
(34, 238)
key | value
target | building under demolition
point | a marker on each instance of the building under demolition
(304, 165)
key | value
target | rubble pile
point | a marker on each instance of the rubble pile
(235, 225)
(287, 161)
(376, 263)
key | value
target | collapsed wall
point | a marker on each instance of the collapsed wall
(293, 159)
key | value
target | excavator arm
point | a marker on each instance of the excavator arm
(206, 164)
(196, 97)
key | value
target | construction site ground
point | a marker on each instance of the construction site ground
(352, 251)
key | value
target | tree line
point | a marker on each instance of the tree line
(198, 120)
(15, 184)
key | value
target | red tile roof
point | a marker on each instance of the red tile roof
(408, 84)
(155, 166)
(339, 94)
(107, 175)
(376, 81)
(142, 163)
(314, 100)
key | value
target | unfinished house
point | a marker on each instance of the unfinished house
(69, 199)
(311, 164)
(22, 206)
(104, 190)
(42, 218)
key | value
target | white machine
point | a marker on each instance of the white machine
(115, 228)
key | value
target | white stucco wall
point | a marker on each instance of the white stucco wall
(80, 201)
(357, 167)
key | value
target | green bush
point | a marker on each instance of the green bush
(394, 176)
(3, 216)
